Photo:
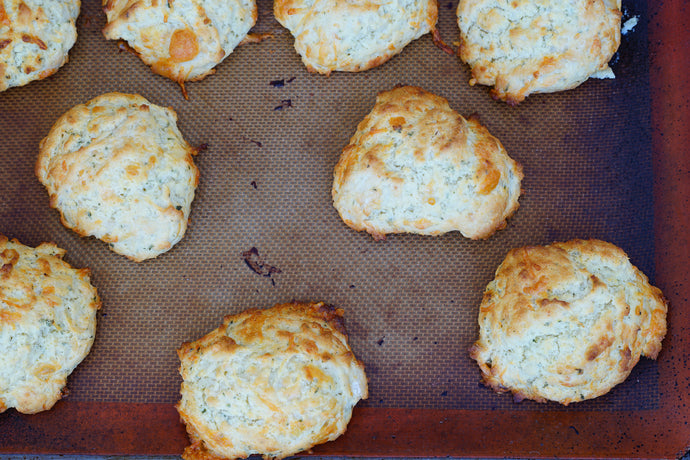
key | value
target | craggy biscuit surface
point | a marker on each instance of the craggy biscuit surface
(353, 36)
(35, 37)
(181, 39)
(522, 47)
(117, 168)
(47, 324)
(415, 165)
(273, 382)
(566, 322)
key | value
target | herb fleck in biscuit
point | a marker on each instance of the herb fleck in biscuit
(273, 382)
(35, 37)
(182, 39)
(415, 165)
(353, 36)
(117, 168)
(522, 47)
(47, 324)
(566, 322)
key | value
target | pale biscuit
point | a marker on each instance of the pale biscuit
(183, 39)
(272, 382)
(415, 165)
(566, 322)
(47, 324)
(117, 168)
(522, 47)
(35, 37)
(353, 36)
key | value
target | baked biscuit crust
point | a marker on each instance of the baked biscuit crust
(117, 168)
(353, 36)
(35, 37)
(522, 47)
(415, 165)
(273, 382)
(567, 322)
(183, 39)
(47, 324)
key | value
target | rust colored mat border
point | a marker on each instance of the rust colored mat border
(154, 429)
(116, 428)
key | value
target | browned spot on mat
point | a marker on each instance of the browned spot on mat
(258, 266)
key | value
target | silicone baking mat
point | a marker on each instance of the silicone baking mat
(273, 133)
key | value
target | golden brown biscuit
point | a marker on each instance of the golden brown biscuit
(183, 39)
(522, 47)
(47, 324)
(273, 382)
(117, 168)
(35, 37)
(353, 36)
(415, 165)
(566, 322)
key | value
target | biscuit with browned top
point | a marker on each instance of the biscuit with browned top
(35, 38)
(182, 39)
(118, 168)
(347, 36)
(521, 47)
(415, 165)
(47, 324)
(566, 322)
(273, 382)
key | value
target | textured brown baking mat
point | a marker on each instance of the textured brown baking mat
(274, 132)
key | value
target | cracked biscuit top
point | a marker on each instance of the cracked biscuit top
(415, 165)
(117, 168)
(273, 382)
(47, 324)
(566, 322)
(35, 37)
(522, 47)
(180, 39)
(353, 36)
